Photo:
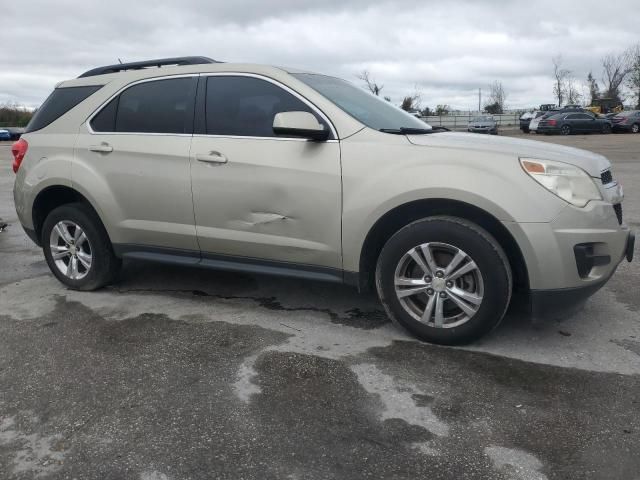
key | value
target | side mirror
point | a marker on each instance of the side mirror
(299, 124)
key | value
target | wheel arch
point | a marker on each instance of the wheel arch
(402, 215)
(53, 197)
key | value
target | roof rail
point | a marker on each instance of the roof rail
(119, 67)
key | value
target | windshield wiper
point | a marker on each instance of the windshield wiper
(409, 130)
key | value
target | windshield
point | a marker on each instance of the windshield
(363, 106)
(482, 119)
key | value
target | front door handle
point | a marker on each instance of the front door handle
(212, 157)
(102, 148)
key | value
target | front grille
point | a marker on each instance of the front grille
(618, 209)
(606, 177)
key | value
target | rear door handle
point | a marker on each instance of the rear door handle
(102, 148)
(212, 157)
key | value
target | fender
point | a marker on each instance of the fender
(404, 173)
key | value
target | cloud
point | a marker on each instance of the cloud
(447, 50)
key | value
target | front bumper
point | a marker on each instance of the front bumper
(574, 255)
(482, 130)
(562, 301)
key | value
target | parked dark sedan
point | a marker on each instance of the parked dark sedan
(13, 132)
(628, 121)
(576, 122)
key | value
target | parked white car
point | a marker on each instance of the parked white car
(535, 121)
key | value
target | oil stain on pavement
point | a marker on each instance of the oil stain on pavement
(151, 396)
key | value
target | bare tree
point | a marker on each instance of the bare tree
(573, 95)
(372, 85)
(560, 74)
(633, 81)
(497, 98)
(615, 70)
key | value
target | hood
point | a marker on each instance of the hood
(592, 163)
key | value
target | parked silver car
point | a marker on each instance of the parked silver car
(261, 169)
(483, 124)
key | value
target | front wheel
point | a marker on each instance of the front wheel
(606, 129)
(635, 128)
(445, 279)
(77, 248)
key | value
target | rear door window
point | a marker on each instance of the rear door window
(159, 106)
(58, 103)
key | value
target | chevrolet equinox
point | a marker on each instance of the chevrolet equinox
(278, 171)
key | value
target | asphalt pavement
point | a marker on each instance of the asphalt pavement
(182, 373)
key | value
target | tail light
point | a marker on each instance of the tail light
(19, 150)
(552, 122)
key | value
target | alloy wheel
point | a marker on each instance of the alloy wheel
(70, 250)
(439, 285)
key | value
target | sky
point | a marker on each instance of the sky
(445, 49)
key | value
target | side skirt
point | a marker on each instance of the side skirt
(231, 264)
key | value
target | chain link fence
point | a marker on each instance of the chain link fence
(461, 121)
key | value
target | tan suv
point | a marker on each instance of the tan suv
(260, 169)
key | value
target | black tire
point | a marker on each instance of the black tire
(635, 128)
(565, 130)
(104, 264)
(606, 129)
(480, 246)
(525, 130)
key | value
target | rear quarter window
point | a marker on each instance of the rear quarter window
(58, 103)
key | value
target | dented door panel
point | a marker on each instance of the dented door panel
(275, 199)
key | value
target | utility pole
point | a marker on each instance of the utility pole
(479, 100)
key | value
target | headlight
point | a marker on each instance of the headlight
(568, 182)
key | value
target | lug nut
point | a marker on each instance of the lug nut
(439, 274)
(430, 291)
(428, 279)
(449, 284)
(443, 295)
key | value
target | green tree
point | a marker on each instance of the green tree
(594, 89)
(443, 110)
(494, 108)
(13, 115)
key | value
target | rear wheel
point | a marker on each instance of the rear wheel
(635, 128)
(77, 248)
(606, 128)
(565, 130)
(444, 279)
